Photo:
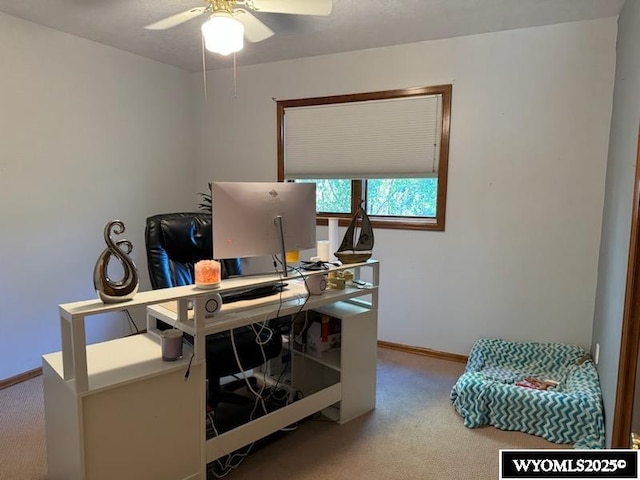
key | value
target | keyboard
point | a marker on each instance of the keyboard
(252, 293)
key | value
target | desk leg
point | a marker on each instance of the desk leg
(79, 342)
(67, 350)
(358, 365)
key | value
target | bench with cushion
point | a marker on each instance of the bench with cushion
(498, 388)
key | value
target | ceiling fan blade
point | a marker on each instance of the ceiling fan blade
(297, 7)
(176, 19)
(254, 29)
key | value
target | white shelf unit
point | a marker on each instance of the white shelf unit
(116, 410)
(136, 411)
(352, 366)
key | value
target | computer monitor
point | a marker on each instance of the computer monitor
(252, 219)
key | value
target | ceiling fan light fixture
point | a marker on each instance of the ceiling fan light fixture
(223, 34)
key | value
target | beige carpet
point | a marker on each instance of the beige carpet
(414, 433)
(22, 443)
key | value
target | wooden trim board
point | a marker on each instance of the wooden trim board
(22, 377)
(426, 352)
(628, 360)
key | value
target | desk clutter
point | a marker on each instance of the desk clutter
(336, 279)
(318, 335)
(273, 387)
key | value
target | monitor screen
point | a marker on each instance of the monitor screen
(247, 218)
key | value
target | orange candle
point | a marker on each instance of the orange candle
(207, 272)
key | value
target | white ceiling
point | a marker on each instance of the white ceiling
(352, 25)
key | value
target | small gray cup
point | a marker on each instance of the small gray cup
(171, 344)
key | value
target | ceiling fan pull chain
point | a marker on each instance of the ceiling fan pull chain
(235, 77)
(204, 70)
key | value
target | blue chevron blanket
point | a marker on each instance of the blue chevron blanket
(489, 392)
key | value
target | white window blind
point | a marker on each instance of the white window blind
(388, 138)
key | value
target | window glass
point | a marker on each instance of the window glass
(402, 197)
(332, 195)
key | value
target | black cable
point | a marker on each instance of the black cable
(275, 388)
(294, 317)
(188, 372)
(275, 267)
(306, 286)
(131, 321)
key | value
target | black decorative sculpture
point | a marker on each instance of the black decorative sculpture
(125, 289)
(352, 249)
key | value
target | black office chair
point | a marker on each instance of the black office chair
(175, 242)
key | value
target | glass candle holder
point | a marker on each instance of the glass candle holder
(293, 256)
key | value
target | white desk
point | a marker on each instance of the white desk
(116, 410)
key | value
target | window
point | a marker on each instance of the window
(388, 150)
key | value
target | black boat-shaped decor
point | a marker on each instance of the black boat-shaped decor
(354, 250)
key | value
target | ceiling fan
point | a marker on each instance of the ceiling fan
(230, 20)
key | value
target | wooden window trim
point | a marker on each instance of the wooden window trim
(404, 223)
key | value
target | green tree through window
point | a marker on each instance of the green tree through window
(332, 196)
(402, 197)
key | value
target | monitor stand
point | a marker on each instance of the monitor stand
(278, 222)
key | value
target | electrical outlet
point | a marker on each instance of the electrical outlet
(596, 354)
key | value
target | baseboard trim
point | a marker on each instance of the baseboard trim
(22, 377)
(425, 352)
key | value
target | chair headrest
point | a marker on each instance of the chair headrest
(175, 242)
(185, 237)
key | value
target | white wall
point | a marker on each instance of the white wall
(87, 134)
(616, 229)
(529, 135)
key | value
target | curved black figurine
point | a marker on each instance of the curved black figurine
(108, 290)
